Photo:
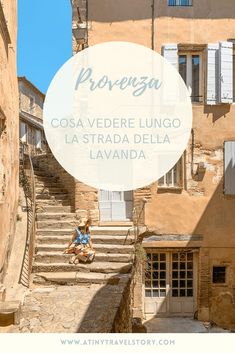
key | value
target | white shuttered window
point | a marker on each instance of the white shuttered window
(170, 52)
(38, 139)
(226, 72)
(220, 73)
(23, 132)
(229, 168)
(212, 73)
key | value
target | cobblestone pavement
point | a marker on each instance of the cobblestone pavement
(69, 309)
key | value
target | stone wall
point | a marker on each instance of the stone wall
(86, 202)
(123, 319)
(9, 131)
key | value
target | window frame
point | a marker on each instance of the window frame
(25, 138)
(31, 106)
(180, 171)
(177, 3)
(225, 283)
(189, 73)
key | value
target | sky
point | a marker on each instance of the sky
(44, 39)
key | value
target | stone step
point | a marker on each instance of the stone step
(94, 231)
(63, 278)
(55, 216)
(47, 184)
(104, 248)
(50, 190)
(52, 197)
(49, 224)
(46, 179)
(43, 173)
(59, 257)
(43, 238)
(41, 209)
(51, 202)
(101, 267)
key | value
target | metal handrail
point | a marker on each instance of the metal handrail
(28, 183)
(136, 221)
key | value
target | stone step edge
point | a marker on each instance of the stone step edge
(93, 231)
(100, 267)
(53, 214)
(78, 278)
(99, 255)
(61, 246)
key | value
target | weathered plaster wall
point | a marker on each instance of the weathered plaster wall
(201, 207)
(25, 92)
(9, 150)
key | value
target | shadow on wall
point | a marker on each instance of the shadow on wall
(217, 111)
(218, 223)
(110, 308)
(218, 218)
(124, 10)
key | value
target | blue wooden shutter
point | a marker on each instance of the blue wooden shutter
(226, 72)
(212, 73)
(229, 168)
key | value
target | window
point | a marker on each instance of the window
(31, 103)
(172, 179)
(155, 275)
(23, 132)
(189, 69)
(38, 139)
(229, 170)
(219, 274)
(179, 2)
(182, 274)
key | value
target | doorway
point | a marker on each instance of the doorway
(170, 283)
(115, 205)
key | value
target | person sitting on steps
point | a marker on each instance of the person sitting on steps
(81, 244)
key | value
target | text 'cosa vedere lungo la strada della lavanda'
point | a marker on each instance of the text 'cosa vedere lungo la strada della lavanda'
(95, 132)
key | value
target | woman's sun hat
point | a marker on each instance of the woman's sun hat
(82, 222)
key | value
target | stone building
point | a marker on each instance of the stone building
(9, 130)
(31, 124)
(189, 214)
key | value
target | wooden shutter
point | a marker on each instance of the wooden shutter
(38, 139)
(170, 52)
(226, 72)
(23, 132)
(229, 168)
(212, 73)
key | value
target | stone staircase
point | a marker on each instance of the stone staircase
(54, 227)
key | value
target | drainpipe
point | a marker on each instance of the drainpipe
(152, 25)
(192, 151)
